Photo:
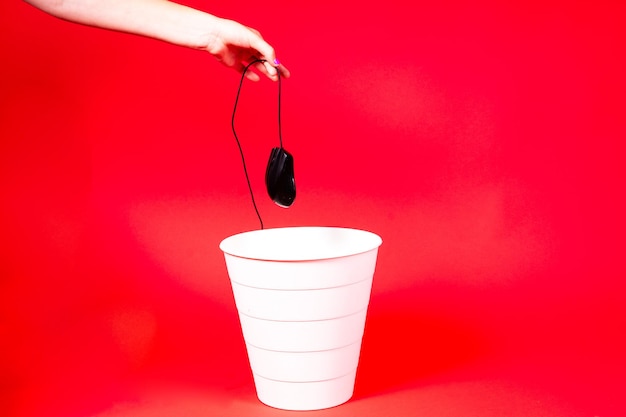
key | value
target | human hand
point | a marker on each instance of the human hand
(236, 46)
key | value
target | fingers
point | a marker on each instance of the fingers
(263, 67)
(283, 70)
(271, 69)
(267, 69)
(240, 45)
(266, 52)
(252, 76)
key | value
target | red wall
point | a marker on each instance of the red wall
(483, 142)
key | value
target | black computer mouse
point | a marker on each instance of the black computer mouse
(279, 177)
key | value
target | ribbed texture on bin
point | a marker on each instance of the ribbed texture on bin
(303, 321)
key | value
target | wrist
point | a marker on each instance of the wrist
(185, 26)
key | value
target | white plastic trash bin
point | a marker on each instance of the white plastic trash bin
(302, 295)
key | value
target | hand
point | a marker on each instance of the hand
(236, 46)
(230, 42)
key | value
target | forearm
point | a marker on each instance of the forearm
(230, 42)
(161, 19)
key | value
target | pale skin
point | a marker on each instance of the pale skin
(230, 42)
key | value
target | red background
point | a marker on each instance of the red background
(484, 143)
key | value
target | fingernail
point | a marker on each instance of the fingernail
(276, 62)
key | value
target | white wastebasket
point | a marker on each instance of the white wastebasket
(302, 295)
